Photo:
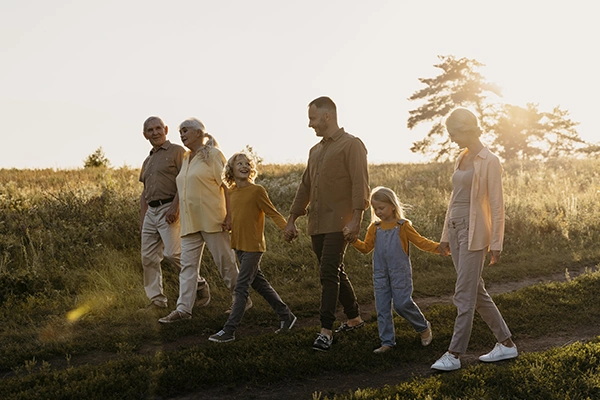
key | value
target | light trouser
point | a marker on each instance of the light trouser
(329, 249)
(392, 281)
(192, 246)
(251, 275)
(469, 292)
(159, 240)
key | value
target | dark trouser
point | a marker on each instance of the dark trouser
(329, 249)
(251, 275)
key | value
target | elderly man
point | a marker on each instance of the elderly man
(336, 185)
(159, 222)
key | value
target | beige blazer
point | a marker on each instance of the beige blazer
(486, 215)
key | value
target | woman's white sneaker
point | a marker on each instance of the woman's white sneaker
(447, 362)
(500, 352)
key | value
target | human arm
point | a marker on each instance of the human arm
(418, 240)
(359, 175)
(172, 214)
(226, 225)
(444, 248)
(352, 228)
(496, 207)
(143, 209)
(368, 244)
(269, 209)
(299, 205)
(290, 232)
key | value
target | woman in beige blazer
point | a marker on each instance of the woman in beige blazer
(473, 226)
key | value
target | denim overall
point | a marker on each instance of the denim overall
(392, 280)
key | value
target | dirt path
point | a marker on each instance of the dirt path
(337, 383)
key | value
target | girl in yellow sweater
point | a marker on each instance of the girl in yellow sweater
(249, 203)
(389, 235)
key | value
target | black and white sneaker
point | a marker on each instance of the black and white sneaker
(323, 342)
(222, 337)
(287, 324)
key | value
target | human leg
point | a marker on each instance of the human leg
(490, 314)
(469, 266)
(383, 305)
(170, 233)
(329, 249)
(152, 254)
(248, 268)
(401, 292)
(263, 287)
(219, 245)
(192, 246)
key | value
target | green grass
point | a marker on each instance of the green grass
(266, 359)
(69, 241)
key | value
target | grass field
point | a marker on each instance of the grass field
(71, 282)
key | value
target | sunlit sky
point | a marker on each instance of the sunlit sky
(79, 75)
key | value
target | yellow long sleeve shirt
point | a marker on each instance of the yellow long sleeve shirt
(407, 234)
(249, 205)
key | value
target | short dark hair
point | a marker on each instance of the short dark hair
(323, 102)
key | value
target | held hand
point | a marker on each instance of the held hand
(495, 257)
(226, 225)
(351, 231)
(172, 214)
(444, 248)
(290, 232)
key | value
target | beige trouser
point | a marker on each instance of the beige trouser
(470, 293)
(192, 246)
(159, 240)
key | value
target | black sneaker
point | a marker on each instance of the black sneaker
(222, 337)
(322, 343)
(287, 324)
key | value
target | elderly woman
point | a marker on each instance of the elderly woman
(474, 224)
(204, 214)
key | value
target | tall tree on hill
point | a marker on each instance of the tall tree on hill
(512, 131)
(459, 84)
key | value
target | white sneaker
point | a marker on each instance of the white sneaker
(447, 362)
(500, 352)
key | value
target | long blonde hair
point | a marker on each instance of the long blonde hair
(208, 140)
(387, 195)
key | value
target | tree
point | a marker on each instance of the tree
(252, 153)
(529, 133)
(512, 131)
(459, 84)
(96, 159)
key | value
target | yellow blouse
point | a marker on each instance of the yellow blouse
(201, 196)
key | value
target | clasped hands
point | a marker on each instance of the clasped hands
(291, 232)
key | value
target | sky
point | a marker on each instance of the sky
(79, 75)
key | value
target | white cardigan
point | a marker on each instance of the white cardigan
(486, 215)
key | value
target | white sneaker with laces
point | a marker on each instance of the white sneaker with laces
(447, 362)
(500, 352)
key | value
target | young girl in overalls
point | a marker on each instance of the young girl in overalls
(389, 235)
